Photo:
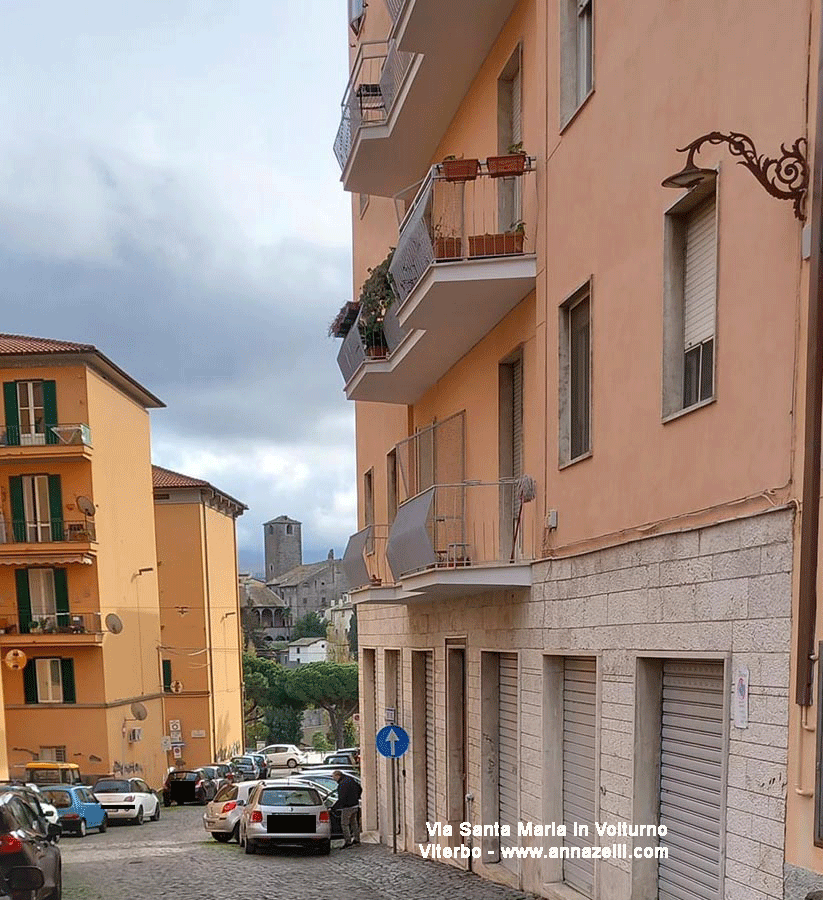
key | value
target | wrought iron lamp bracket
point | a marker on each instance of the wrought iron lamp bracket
(786, 177)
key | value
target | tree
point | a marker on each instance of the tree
(265, 690)
(311, 625)
(284, 725)
(331, 686)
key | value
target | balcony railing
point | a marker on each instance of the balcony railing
(477, 215)
(375, 344)
(364, 561)
(375, 80)
(66, 434)
(453, 526)
(395, 7)
(55, 623)
(21, 531)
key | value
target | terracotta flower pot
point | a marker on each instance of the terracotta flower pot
(448, 248)
(508, 243)
(506, 166)
(460, 169)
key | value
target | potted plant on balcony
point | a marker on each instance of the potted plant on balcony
(506, 243)
(376, 296)
(446, 246)
(513, 163)
(455, 169)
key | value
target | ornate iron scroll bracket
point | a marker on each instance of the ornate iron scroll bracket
(786, 177)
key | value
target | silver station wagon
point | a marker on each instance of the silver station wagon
(286, 814)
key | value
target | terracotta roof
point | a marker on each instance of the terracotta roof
(165, 479)
(13, 344)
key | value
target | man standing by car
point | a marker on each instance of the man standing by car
(348, 803)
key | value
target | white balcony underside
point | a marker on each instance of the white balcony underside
(453, 307)
(444, 583)
(389, 158)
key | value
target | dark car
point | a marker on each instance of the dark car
(27, 840)
(245, 768)
(188, 786)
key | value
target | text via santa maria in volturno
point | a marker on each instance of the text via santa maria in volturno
(602, 840)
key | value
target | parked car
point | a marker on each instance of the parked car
(262, 765)
(329, 785)
(342, 759)
(246, 766)
(218, 772)
(28, 841)
(77, 807)
(188, 786)
(47, 809)
(288, 814)
(127, 798)
(280, 756)
(222, 816)
(44, 772)
(322, 768)
(354, 752)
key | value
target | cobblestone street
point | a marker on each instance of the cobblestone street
(176, 858)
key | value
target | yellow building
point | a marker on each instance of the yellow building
(201, 637)
(587, 467)
(78, 573)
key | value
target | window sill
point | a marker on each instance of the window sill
(689, 409)
(571, 462)
(574, 115)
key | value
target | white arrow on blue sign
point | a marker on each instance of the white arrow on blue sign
(392, 741)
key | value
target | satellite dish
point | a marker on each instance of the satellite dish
(86, 506)
(114, 623)
(16, 659)
(139, 711)
(177, 687)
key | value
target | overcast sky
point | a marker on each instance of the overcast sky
(168, 193)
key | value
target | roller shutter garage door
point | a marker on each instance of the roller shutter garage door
(579, 769)
(691, 780)
(508, 777)
(431, 806)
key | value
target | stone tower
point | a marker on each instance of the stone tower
(283, 544)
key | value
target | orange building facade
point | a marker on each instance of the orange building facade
(581, 436)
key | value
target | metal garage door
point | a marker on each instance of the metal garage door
(507, 738)
(579, 769)
(431, 806)
(691, 780)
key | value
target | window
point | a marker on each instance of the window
(357, 10)
(30, 409)
(52, 754)
(368, 498)
(577, 55)
(167, 678)
(36, 508)
(575, 376)
(391, 480)
(49, 680)
(690, 302)
(289, 529)
(509, 133)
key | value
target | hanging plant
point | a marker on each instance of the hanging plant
(376, 296)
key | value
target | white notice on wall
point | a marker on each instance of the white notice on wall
(198, 733)
(740, 702)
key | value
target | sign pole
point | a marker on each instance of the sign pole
(394, 804)
(392, 741)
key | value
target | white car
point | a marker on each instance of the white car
(279, 756)
(127, 798)
(280, 812)
(222, 815)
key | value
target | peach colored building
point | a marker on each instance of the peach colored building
(78, 570)
(201, 639)
(581, 436)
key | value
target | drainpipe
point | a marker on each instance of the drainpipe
(810, 510)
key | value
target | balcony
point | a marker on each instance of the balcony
(58, 628)
(450, 540)
(387, 155)
(47, 542)
(46, 442)
(369, 131)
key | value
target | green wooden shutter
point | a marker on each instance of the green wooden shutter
(12, 412)
(30, 681)
(23, 599)
(67, 676)
(167, 675)
(18, 510)
(56, 508)
(61, 597)
(50, 410)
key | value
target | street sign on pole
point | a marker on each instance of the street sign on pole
(392, 741)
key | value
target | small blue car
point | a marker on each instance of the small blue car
(77, 807)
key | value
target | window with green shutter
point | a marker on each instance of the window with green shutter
(30, 681)
(67, 672)
(49, 680)
(18, 509)
(56, 508)
(12, 413)
(167, 675)
(61, 597)
(21, 577)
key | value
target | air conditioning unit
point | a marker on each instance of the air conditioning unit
(134, 734)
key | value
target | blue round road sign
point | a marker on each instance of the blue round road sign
(392, 741)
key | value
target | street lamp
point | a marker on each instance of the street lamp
(786, 178)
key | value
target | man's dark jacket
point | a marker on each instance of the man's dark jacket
(348, 793)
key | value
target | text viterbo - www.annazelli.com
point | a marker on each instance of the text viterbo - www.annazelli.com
(614, 850)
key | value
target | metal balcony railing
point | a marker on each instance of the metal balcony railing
(73, 434)
(477, 214)
(54, 623)
(364, 561)
(360, 345)
(460, 525)
(22, 531)
(375, 80)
